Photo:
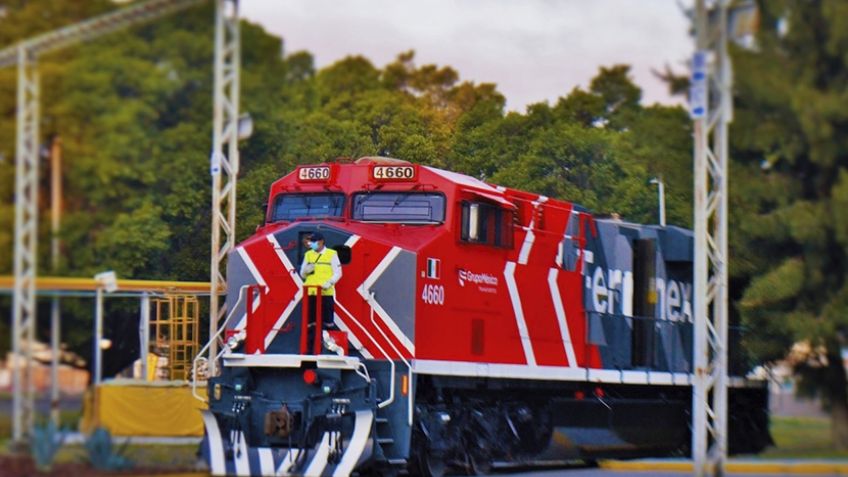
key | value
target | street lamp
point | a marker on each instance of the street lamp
(108, 282)
(661, 193)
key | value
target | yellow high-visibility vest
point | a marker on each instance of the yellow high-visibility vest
(323, 269)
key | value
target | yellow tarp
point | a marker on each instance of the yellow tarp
(144, 409)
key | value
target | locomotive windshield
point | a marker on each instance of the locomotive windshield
(291, 207)
(409, 207)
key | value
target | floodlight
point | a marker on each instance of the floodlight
(108, 280)
(245, 126)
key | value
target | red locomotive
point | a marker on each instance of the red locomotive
(473, 325)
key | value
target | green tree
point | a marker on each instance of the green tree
(789, 192)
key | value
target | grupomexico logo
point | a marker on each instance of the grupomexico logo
(477, 278)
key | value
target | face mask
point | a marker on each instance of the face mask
(313, 246)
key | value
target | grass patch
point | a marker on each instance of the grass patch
(68, 419)
(155, 456)
(802, 437)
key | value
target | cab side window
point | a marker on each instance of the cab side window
(486, 224)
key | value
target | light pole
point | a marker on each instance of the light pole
(108, 282)
(144, 333)
(661, 197)
(55, 247)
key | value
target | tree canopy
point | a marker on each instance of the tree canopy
(789, 191)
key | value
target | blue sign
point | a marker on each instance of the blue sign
(698, 86)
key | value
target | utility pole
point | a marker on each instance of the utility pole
(224, 161)
(711, 100)
(55, 315)
(26, 243)
(711, 110)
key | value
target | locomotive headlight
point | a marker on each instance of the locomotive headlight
(237, 387)
(327, 389)
(444, 417)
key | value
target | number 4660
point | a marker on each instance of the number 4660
(433, 294)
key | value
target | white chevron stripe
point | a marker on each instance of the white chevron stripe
(351, 241)
(217, 465)
(288, 462)
(266, 462)
(248, 262)
(241, 456)
(251, 266)
(361, 431)
(319, 460)
(351, 337)
(561, 318)
(364, 290)
(526, 344)
(530, 237)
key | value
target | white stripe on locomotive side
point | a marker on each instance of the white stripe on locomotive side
(561, 318)
(319, 460)
(248, 262)
(526, 343)
(384, 316)
(351, 241)
(217, 466)
(364, 330)
(552, 373)
(530, 237)
(358, 441)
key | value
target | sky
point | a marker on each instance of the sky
(535, 50)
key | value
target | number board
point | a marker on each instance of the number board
(313, 173)
(394, 173)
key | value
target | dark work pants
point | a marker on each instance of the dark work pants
(327, 323)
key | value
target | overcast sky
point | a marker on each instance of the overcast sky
(534, 50)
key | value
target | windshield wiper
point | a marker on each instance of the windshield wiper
(400, 199)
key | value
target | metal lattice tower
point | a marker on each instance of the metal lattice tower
(26, 242)
(712, 112)
(25, 56)
(224, 160)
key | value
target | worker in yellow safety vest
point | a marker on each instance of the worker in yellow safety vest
(320, 267)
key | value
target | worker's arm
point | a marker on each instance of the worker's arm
(337, 271)
(306, 268)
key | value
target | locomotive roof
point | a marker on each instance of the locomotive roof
(497, 193)
(677, 242)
